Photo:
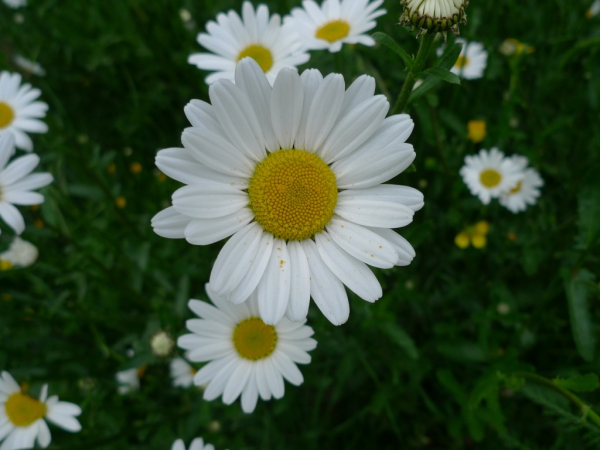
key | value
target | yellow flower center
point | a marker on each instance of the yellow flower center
(7, 114)
(293, 194)
(461, 62)
(23, 410)
(253, 339)
(333, 31)
(477, 130)
(490, 178)
(478, 241)
(5, 265)
(259, 54)
(517, 188)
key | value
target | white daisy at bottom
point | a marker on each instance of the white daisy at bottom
(23, 418)
(197, 444)
(245, 356)
(182, 373)
(526, 191)
(489, 174)
(20, 253)
(471, 62)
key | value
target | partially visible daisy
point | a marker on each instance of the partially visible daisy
(17, 183)
(14, 4)
(489, 174)
(335, 23)
(182, 373)
(20, 253)
(129, 380)
(512, 47)
(197, 444)
(29, 66)
(247, 357)
(255, 35)
(23, 418)
(471, 62)
(295, 173)
(19, 113)
(526, 191)
(431, 16)
(593, 10)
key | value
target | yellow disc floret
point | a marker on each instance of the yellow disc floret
(7, 114)
(260, 54)
(253, 339)
(461, 62)
(23, 410)
(517, 188)
(490, 178)
(333, 31)
(293, 194)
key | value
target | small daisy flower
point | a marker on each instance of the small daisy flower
(335, 23)
(247, 356)
(20, 253)
(197, 444)
(431, 16)
(294, 173)
(255, 35)
(514, 47)
(17, 183)
(526, 191)
(489, 174)
(23, 418)
(471, 62)
(14, 4)
(129, 380)
(19, 113)
(29, 66)
(182, 373)
(593, 10)
(161, 344)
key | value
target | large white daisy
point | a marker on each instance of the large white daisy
(255, 35)
(471, 62)
(23, 418)
(19, 113)
(526, 191)
(489, 174)
(294, 173)
(247, 357)
(335, 23)
(17, 183)
(197, 444)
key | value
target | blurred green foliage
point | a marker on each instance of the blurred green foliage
(430, 365)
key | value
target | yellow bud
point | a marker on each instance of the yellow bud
(5, 265)
(476, 131)
(478, 241)
(121, 202)
(462, 240)
(135, 168)
(482, 227)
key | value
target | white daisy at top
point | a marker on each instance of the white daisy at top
(335, 23)
(197, 444)
(247, 357)
(471, 62)
(17, 183)
(20, 253)
(23, 418)
(489, 174)
(526, 191)
(14, 4)
(254, 35)
(294, 173)
(182, 373)
(19, 113)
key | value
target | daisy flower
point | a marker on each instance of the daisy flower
(129, 380)
(434, 15)
(593, 10)
(247, 356)
(23, 418)
(294, 173)
(20, 253)
(255, 35)
(335, 23)
(526, 191)
(19, 113)
(489, 174)
(17, 183)
(14, 4)
(197, 444)
(182, 373)
(471, 62)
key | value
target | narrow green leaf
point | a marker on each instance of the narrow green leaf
(589, 213)
(484, 387)
(450, 56)
(578, 288)
(444, 74)
(427, 84)
(402, 338)
(386, 40)
(581, 383)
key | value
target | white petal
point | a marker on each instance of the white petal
(43, 436)
(311, 80)
(324, 111)
(297, 309)
(405, 251)
(362, 89)
(64, 421)
(211, 351)
(274, 379)
(210, 370)
(169, 223)
(18, 169)
(209, 200)
(374, 207)
(178, 445)
(274, 286)
(31, 182)
(250, 394)
(209, 231)
(217, 384)
(12, 217)
(288, 369)
(237, 382)
(23, 198)
(286, 107)
(7, 148)
(255, 273)
(209, 312)
(261, 381)
(294, 353)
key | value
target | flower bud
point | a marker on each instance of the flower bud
(432, 16)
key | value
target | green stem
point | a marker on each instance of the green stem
(586, 410)
(411, 79)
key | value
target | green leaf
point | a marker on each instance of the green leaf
(578, 288)
(386, 40)
(444, 74)
(581, 383)
(402, 338)
(450, 56)
(486, 385)
(589, 213)
(427, 84)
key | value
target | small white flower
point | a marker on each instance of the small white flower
(526, 191)
(162, 344)
(593, 10)
(14, 4)
(247, 357)
(20, 253)
(489, 174)
(434, 15)
(197, 444)
(17, 183)
(29, 66)
(471, 62)
(129, 380)
(182, 373)
(19, 113)
(23, 418)
(335, 23)
(255, 35)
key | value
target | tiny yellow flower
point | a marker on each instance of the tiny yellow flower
(512, 236)
(5, 265)
(514, 47)
(462, 240)
(111, 168)
(135, 168)
(482, 227)
(121, 202)
(478, 240)
(476, 131)
(38, 223)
